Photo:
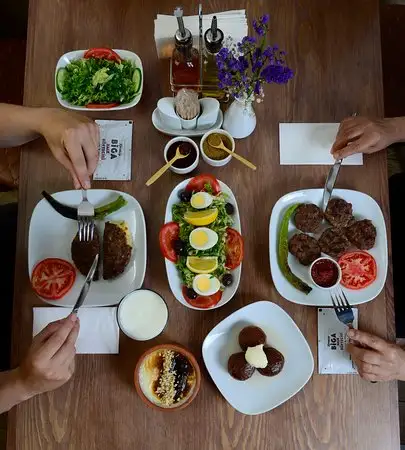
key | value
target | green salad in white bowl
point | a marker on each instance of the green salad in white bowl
(99, 78)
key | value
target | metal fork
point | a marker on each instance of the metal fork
(344, 313)
(343, 309)
(85, 219)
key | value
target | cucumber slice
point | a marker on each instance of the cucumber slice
(137, 79)
(60, 78)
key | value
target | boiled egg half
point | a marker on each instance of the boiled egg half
(203, 238)
(201, 200)
(206, 285)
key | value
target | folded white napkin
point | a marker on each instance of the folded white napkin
(99, 331)
(310, 143)
(232, 23)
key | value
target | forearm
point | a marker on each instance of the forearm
(19, 124)
(396, 127)
(12, 390)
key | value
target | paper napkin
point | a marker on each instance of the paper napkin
(310, 143)
(232, 23)
(332, 340)
(99, 332)
(115, 150)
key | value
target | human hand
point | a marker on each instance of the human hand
(50, 361)
(363, 135)
(380, 360)
(73, 140)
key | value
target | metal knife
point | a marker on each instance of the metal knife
(331, 180)
(86, 286)
(330, 183)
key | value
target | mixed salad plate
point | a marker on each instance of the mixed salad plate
(99, 78)
(201, 243)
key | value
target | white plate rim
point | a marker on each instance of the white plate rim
(77, 54)
(274, 224)
(170, 265)
(255, 304)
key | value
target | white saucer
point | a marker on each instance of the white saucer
(160, 126)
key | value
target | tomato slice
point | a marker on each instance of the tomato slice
(102, 53)
(168, 234)
(52, 278)
(234, 249)
(202, 301)
(359, 270)
(197, 184)
(101, 105)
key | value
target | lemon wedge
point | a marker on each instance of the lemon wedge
(205, 264)
(201, 218)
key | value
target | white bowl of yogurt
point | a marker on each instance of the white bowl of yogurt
(142, 315)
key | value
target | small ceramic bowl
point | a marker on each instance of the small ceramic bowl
(187, 169)
(192, 394)
(339, 270)
(216, 162)
(188, 124)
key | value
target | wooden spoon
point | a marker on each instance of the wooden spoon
(216, 142)
(161, 171)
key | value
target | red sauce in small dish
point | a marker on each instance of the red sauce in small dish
(325, 273)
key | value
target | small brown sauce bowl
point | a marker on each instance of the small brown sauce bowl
(190, 357)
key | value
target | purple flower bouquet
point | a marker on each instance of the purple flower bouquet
(245, 67)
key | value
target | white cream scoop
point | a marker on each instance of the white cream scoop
(256, 357)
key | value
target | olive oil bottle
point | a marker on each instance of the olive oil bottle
(213, 39)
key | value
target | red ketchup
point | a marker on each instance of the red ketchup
(325, 273)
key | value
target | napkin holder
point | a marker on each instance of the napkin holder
(209, 110)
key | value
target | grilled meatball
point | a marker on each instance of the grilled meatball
(333, 242)
(239, 368)
(117, 248)
(83, 253)
(308, 217)
(339, 213)
(362, 234)
(251, 336)
(305, 248)
(275, 362)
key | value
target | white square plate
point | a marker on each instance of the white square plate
(65, 59)
(364, 207)
(51, 235)
(259, 394)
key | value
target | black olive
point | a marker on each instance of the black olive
(227, 279)
(179, 246)
(229, 208)
(185, 196)
(191, 294)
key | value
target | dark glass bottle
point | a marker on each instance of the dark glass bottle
(185, 59)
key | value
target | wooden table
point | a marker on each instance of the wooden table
(334, 48)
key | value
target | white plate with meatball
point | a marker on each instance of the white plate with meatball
(258, 393)
(363, 207)
(51, 235)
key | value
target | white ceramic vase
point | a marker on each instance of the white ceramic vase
(240, 118)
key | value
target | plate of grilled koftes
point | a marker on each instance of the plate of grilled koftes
(59, 262)
(313, 252)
